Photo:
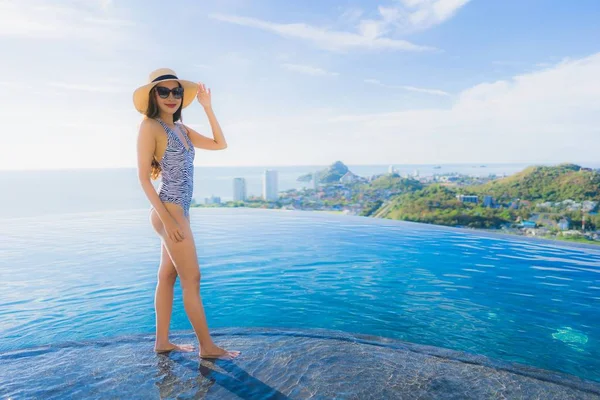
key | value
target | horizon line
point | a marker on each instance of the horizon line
(529, 163)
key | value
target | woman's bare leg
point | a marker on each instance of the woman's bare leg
(163, 304)
(185, 260)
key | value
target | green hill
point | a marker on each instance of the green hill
(541, 183)
(331, 174)
(393, 182)
(437, 204)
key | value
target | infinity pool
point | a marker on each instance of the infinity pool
(321, 306)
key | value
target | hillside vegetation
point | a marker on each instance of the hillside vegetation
(437, 204)
(557, 183)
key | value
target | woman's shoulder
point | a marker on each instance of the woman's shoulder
(149, 124)
(147, 121)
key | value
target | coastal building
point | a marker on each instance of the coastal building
(348, 177)
(528, 224)
(212, 200)
(588, 205)
(239, 189)
(270, 191)
(467, 199)
(563, 224)
(392, 170)
(488, 201)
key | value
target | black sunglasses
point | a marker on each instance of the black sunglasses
(163, 92)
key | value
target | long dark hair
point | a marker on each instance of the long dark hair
(153, 111)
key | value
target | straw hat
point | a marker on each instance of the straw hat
(141, 94)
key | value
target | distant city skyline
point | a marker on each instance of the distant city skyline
(240, 191)
(270, 183)
(307, 83)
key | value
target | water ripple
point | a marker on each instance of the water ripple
(92, 276)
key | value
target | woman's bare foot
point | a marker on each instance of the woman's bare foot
(215, 351)
(173, 347)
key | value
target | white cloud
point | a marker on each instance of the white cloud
(309, 70)
(90, 88)
(416, 15)
(546, 115)
(405, 16)
(550, 115)
(110, 22)
(15, 84)
(325, 38)
(105, 3)
(43, 21)
(409, 88)
(374, 28)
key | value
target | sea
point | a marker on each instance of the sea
(31, 193)
(321, 305)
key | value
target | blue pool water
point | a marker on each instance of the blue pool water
(91, 276)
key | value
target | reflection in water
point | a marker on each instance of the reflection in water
(224, 373)
(277, 364)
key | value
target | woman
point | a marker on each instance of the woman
(166, 146)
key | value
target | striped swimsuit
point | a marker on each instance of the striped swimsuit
(177, 169)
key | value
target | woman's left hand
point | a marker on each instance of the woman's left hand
(203, 95)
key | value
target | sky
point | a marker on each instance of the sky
(306, 82)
